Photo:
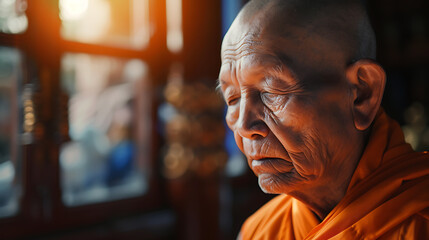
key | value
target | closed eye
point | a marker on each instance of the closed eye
(270, 95)
(272, 99)
(232, 101)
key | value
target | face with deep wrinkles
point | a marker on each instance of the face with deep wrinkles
(288, 106)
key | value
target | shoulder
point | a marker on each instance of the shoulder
(268, 219)
(272, 210)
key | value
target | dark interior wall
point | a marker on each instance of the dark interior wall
(402, 31)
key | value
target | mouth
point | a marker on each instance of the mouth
(271, 166)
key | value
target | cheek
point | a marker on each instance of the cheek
(231, 118)
(302, 120)
(239, 141)
(288, 126)
(296, 127)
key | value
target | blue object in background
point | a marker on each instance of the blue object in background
(120, 162)
(236, 164)
(230, 9)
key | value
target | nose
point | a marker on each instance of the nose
(250, 123)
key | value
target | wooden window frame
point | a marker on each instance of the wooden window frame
(41, 208)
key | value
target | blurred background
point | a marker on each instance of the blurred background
(110, 126)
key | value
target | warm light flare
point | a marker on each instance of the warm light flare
(73, 9)
(174, 25)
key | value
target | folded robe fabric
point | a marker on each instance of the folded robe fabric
(387, 198)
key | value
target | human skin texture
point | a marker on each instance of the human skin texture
(299, 106)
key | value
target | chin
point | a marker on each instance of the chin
(271, 184)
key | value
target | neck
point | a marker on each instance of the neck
(321, 200)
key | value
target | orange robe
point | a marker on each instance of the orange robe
(387, 198)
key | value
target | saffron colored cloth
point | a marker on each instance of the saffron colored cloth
(387, 198)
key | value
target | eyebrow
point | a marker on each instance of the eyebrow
(219, 84)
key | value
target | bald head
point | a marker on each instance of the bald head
(343, 25)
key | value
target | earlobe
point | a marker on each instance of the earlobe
(368, 80)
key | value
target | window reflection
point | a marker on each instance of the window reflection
(10, 161)
(12, 16)
(122, 23)
(102, 161)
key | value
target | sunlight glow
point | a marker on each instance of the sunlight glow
(12, 16)
(73, 9)
(174, 25)
(120, 23)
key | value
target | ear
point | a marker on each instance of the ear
(367, 79)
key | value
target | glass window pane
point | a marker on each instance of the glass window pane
(122, 23)
(109, 127)
(12, 16)
(10, 161)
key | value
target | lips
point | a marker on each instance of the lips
(271, 165)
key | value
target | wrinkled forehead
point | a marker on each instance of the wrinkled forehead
(249, 39)
(254, 23)
(241, 37)
(263, 31)
(289, 40)
(252, 47)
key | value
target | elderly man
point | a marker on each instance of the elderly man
(303, 95)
